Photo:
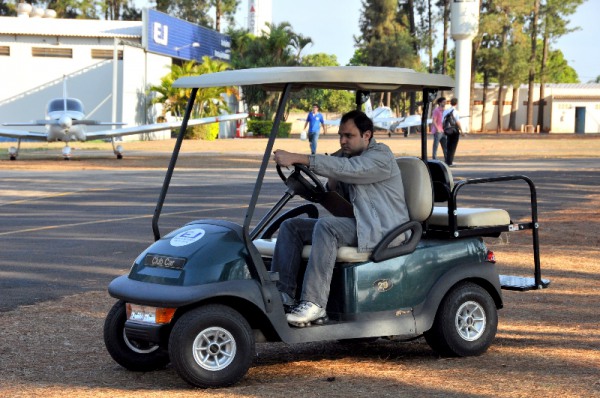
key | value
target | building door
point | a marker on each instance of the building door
(580, 120)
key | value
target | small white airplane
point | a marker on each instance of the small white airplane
(65, 121)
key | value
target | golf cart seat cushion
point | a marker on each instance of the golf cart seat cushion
(470, 217)
(345, 254)
(443, 183)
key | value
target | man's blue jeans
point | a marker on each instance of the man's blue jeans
(439, 138)
(313, 138)
(326, 235)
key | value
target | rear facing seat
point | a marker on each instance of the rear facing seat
(419, 200)
(443, 184)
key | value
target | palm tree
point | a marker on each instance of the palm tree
(299, 42)
(174, 100)
(209, 101)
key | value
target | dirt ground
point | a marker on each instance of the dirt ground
(548, 342)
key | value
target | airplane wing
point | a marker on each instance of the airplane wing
(28, 135)
(148, 128)
(410, 121)
(48, 122)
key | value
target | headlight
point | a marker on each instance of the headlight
(153, 315)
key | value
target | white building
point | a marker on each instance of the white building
(36, 53)
(568, 108)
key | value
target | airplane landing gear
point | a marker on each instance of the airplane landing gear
(14, 152)
(117, 149)
(66, 152)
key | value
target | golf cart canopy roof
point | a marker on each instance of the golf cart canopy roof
(367, 78)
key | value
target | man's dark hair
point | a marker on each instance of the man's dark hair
(454, 101)
(361, 120)
(439, 100)
(317, 105)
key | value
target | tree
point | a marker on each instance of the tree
(299, 43)
(194, 11)
(72, 9)
(554, 24)
(386, 39)
(130, 13)
(7, 9)
(534, 31)
(279, 45)
(328, 100)
(224, 9)
(430, 41)
(557, 69)
(209, 101)
(445, 9)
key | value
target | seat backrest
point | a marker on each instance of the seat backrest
(418, 190)
(443, 182)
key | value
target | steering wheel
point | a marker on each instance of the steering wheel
(297, 184)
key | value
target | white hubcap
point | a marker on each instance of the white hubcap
(214, 348)
(470, 321)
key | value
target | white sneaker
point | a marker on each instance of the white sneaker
(305, 313)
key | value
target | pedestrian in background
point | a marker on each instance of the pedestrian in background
(437, 129)
(451, 119)
(314, 121)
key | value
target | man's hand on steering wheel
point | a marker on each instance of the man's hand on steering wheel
(310, 189)
(286, 159)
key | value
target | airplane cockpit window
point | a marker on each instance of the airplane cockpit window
(59, 105)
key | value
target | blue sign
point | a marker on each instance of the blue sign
(177, 38)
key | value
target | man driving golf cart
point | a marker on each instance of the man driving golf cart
(201, 296)
(366, 174)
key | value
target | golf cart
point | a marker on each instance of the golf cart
(201, 296)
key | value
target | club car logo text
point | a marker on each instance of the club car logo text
(157, 260)
(187, 237)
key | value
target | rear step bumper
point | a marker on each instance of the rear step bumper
(521, 283)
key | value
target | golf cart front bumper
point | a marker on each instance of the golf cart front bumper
(147, 332)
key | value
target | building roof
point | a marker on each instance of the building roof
(70, 27)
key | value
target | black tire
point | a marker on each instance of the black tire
(465, 323)
(211, 346)
(139, 356)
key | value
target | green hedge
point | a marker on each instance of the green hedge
(262, 128)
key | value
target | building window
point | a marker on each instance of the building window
(105, 54)
(5, 50)
(52, 52)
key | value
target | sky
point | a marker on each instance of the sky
(332, 24)
(332, 29)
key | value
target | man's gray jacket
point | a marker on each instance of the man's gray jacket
(374, 186)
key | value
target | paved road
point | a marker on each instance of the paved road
(66, 232)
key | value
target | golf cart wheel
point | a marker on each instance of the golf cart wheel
(140, 356)
(465, 323)
(211, 346)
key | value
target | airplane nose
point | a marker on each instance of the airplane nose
(65, 122)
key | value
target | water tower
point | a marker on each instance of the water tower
(259, 13)
(464, 24)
